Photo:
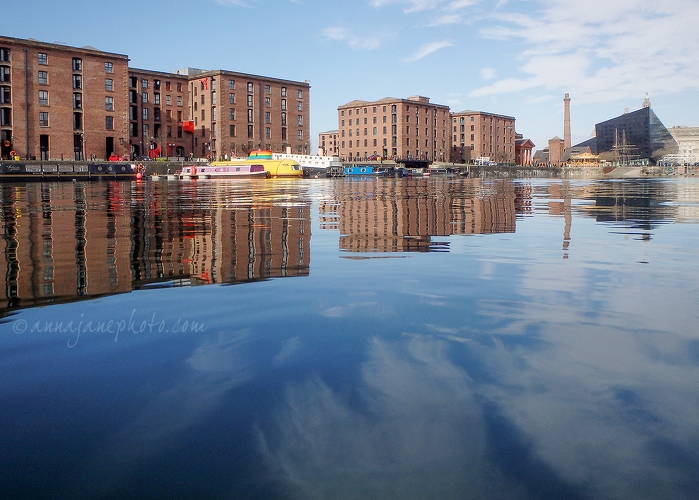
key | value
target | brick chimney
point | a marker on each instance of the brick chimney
(566, 122)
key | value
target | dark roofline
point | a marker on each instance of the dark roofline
(164, 74)
(40, 44)
(390, 100)
(630, 113)
(225, 72)
(470, 112)
(524, 141)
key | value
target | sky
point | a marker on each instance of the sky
(511, 57)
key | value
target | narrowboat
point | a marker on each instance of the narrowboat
(274, 167)
(222, 170)
(49, 170)
(362, 170)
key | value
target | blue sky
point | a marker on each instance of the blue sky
(512, 57)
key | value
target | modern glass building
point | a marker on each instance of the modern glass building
(638, 136)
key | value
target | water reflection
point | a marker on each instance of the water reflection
(392, 215)
(494, 370)
(65, 241)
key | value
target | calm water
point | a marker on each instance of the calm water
(385, 338)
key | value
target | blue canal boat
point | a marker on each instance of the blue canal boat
(363, 170)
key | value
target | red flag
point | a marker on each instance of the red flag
(188, 126)
(205, 81)
(155, 150)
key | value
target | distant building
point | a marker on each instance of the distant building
(556, 152)
(688, 145)
(523, 150)
(485, 135)
(328, 144)
(541, 157)
(411, 128)
(638, 136)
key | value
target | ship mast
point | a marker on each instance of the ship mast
(622, 151)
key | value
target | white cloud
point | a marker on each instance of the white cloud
(239, 3)
(601, 50)
(453, 100)
(447, 19)
(428, 49)
(447, 9)
(340, 34)
(418, 419)
(488, 73)
(409, 5)
(460, 4)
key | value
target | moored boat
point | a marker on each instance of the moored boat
(363, 170)
(274, 167)
(50, 170)
(438, 171)
(223, 171)
(315, 165)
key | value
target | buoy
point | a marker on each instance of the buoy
(139, 175)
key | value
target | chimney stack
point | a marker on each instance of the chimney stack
(566, 122)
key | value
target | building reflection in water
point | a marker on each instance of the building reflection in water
(392, 215)
(66, 241)
(635, 206)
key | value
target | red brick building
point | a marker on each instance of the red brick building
(234, 113)
(556, 151)
(61, 102)
(485, 135)
(328, 144)
(158, 108)
(523, 151)
(411, 128)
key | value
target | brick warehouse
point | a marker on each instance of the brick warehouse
(394, 128)
(234, 113)
(62, 102)
(158, 109)
(486, 135)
